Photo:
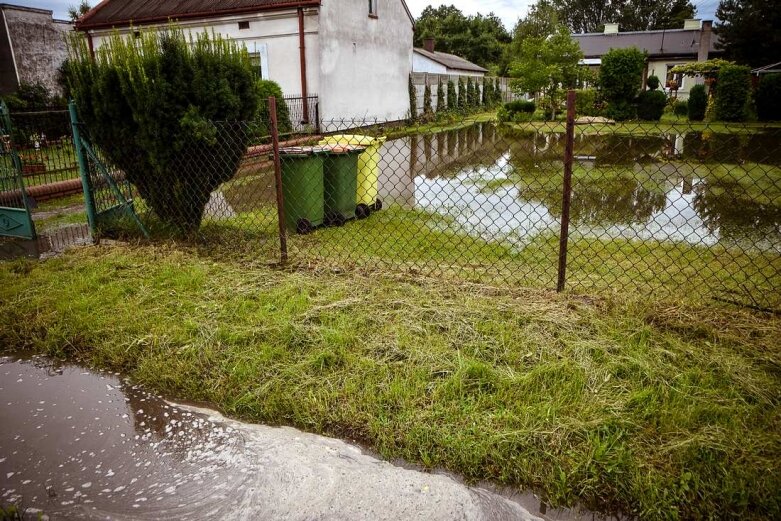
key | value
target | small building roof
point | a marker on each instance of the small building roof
(451, 61)
(670, 43)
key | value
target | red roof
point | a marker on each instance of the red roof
(118, 13)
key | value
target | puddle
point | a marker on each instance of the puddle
(48, 244)
(80, 444)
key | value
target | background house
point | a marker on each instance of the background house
(32, 47)
(665, 48)
(432, 62)
(356, 55)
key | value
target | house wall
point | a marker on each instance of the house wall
(659, 69)
(36, 50)
(274, 35)
(365, 62)
(422, 63)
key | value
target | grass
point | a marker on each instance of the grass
(662, 409)
(644, 128)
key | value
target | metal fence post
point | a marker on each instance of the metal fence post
(272, 105)
(566, 200)
(89, 201)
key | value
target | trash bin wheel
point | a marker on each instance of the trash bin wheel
(304, 227)
(377, 205)
(362, 211)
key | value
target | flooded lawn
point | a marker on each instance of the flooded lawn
(79, 444)
(696, 188)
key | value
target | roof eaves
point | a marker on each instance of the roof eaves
(81, 25)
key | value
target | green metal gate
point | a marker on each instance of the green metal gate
(15, 210)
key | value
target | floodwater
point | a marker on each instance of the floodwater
(698, 188)
(80, 444)
(47, 244)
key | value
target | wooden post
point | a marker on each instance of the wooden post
(566, 200)
(272, 105)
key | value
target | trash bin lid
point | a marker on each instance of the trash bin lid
(339, 149)
(352, 139)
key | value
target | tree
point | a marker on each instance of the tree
(168, 112)
(413, 100)
(546, 65)
(480, 39)
(428, 108)
(77, 11)
(440, 97)
(732, 93)
(769, 98)
(620, 77)
(588, 16)
(749, 31)
(463, 102)
(452, 97)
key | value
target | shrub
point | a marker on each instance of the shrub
(680, 108)
(463, 102)
(152, 105)
(732, 93)
(452, 97)
(652, 82)
(521, 106)
(698, 103)
(620, 77)
(440, 98)
(650, 105)
(413, 100)
(32, 97)
(517, 111)
(267, 89)
(620, 110)
(497, 91)
(769, 98)
(586, 102)
(428, 108)
(485, 95)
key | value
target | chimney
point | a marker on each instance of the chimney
(429, 44)
(611, 28)
(692, 23)
(705, 38)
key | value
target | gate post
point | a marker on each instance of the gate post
(566, 200)
(89, 201)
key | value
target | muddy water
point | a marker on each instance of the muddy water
(79, 444)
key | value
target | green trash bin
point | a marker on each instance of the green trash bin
(341, 182)
(303, 187)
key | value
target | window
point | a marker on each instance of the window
(256, 60)
(373, 8)
(674, 81)
(243, 25)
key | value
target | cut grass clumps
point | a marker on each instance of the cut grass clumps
(658, 409)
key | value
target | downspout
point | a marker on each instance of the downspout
(302, 51)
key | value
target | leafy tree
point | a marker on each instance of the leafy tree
(452, 96)
(749, 32)
(546, 65)
(440, 97)
(588, 16)
(470, 93)
(620, 77)
(769, 98)
(480, 39)
(732, 92)
(485, 95)
(33, 96)
(497, 91)
(698, 103)
(77, 11)
(167, 111)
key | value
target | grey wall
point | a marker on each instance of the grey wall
(364, 62)
(39, 45)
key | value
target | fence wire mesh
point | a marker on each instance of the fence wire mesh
(689, 209)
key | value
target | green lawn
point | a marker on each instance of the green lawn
(658, 407)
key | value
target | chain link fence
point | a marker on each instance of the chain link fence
(688, 209)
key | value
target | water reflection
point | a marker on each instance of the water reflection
(699, 188)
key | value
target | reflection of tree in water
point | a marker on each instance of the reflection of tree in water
(614, 200)
(728, 208)
(711, 147)
(627, 150)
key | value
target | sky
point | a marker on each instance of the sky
(508, 10)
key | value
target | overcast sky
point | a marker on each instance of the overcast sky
(508, 10)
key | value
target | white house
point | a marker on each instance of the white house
(356, 55)
(665, 49)
(430, 61)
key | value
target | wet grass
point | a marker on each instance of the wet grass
(661, 408)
